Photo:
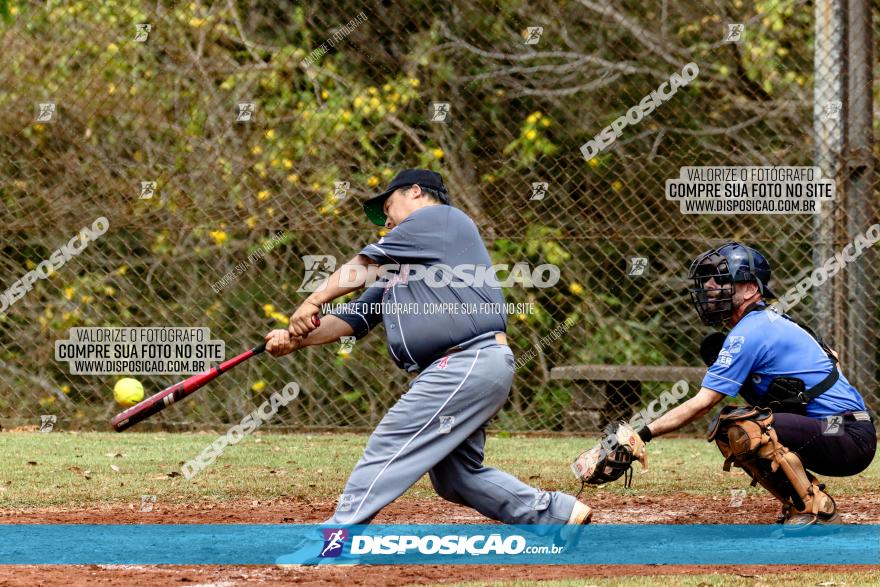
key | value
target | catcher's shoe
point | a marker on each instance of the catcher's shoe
(784, 514)
(827, 514)
(581, 514)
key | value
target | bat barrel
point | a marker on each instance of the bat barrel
(158, 402)
(140, 411)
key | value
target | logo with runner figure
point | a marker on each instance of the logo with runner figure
(334, 542)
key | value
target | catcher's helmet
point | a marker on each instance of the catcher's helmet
(729, 263)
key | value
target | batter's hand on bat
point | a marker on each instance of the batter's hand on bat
(304, 320)
(280, 343)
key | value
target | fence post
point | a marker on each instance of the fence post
(828, 93)
(860, 357)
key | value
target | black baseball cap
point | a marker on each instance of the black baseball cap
(374, 207)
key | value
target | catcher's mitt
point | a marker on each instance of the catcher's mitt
(612, 457)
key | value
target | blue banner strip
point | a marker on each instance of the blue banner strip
(257, 544)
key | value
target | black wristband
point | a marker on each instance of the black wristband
(645, 434)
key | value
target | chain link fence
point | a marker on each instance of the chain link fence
(223, 141)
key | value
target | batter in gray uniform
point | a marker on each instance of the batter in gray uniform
(426, 282)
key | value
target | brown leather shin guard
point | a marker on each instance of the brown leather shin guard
(756, 449)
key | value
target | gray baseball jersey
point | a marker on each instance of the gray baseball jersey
(439, 290)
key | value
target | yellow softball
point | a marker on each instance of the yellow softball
(128, 392)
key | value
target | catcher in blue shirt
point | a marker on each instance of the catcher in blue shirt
(803, 414)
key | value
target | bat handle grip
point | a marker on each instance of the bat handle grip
(262, 346)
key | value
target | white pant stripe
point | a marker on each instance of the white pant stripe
(408, 442)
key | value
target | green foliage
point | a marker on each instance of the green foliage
(164, 111)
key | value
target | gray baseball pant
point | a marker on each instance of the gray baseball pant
(439, 427)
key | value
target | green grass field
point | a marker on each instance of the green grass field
(82, 469)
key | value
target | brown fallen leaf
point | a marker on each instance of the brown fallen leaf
(172, 474)
(32, 462)
(75, 469)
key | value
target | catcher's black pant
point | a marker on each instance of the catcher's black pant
(838, 448)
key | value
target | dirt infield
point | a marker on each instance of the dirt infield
(614, 509)
(214, 576)
(669, 509)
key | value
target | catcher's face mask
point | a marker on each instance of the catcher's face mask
(714, 274)
(712, 294)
